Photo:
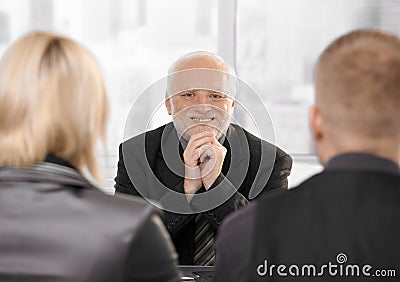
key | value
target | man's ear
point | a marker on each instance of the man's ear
(316, 123)
(168, 103)
(232, 106)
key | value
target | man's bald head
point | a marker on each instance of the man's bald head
(357, 85)
(201, 60)
(201, 70)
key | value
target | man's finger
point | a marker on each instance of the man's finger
(201, 135)
(199, 142)
(206, 151)
(216, 142)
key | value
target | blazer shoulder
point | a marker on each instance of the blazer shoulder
(256, 143)
(297, 194)
(326, 187)
(121, 206)
(148, 136)
(134, 205)
(150, 140)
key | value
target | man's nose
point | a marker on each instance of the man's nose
(203, 107)
(203, 102)
(203, 99)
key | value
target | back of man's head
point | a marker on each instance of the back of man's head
(357, 87)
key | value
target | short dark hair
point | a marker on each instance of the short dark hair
(357, 83)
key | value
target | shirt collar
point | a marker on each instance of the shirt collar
(362, 161)
(52, 158)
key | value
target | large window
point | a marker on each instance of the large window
(135, 41)
(272, 43)
(278, 43)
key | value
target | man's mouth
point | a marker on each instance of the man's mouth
(202, 119)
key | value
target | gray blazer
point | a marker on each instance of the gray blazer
(56, 226)
(249, 163)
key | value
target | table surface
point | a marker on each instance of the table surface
(187, 271)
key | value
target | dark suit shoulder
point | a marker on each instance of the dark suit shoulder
(253, 141)
(256, 143)
(127, 202)
(292, 198)
(133, 209)
(345, 185)
(331, 212)
(259, 147)
(151, 136)
(149, 140)
(268, 164)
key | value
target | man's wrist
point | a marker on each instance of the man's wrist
(208, 185)
(214, 183)
(192, 172)
(191, 186)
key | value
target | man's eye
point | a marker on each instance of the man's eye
(216, 96)
(187, 94)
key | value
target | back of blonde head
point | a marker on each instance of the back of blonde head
(52, 100)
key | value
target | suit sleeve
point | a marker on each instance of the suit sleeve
(152, 256)
(173, 222)
(122, 182)
(279, 176)
(235, 202)
(240, 198)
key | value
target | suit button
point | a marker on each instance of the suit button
(169, 226)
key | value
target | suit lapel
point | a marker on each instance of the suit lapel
(237, 158)
(167, 162)
(169, 166)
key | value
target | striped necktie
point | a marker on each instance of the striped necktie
(203, 242)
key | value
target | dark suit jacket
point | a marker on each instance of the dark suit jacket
(248, 164)
(56, 226)
(351, 210)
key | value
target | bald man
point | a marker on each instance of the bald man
(199, 167)
(342, 224)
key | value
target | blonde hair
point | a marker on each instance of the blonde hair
(52, 100)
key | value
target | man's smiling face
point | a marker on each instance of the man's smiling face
(199, 96)
(200, 110)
